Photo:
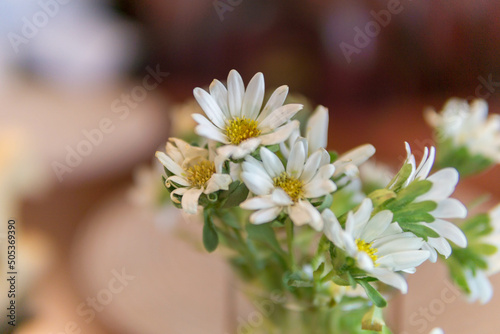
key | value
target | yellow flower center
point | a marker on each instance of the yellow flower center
(291, 185)
(240, 129)
(366, 247)
(199, 174)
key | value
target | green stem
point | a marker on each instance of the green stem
(289, 241)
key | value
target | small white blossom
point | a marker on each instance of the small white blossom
(379, 246)
(195, 172)
(236, 117)
(288, 189)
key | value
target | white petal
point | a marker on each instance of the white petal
(174, 153)
(210, 107)
(179, 180)
(426, 164)
(296, 160)
(318, 188)
(258, 203)
(264, 216)
(406, 242)
(275, 101)
(279, 116)
(190, 200)
(271, 162)
(178, 191)
(449, 231)
(254, 95)
(450, 208)
(188, 151)
(280, 134)
(403, 260)
(443, 185)
(235, 93)
(311, 166)
(218, 182)
(304, 213)
(281, 198)
(257, 184)
(390, 278)
(219, 93)
(208, 130)
(169, 163)
(377, 225)
(254, 166)
(432, 251)
(361, 217)
(239, 151)
(317, 129)
(332, 229)
(365, 262)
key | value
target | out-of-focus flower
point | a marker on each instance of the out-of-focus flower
(380, 247)
(236, 118)
(482, 258)
(467, 138)
(278, 189)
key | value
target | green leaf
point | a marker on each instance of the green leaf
(408, 194)
(381, 196)
(373, 294)
(400, 178)
(265, 233)
(210, 236)
(419, 230)
(327, 202)
(477, 226)
(229, 218)
(236, 194)
(319, 272)
(273, 148)
(485, 249)
(333, 156)
(412, 217)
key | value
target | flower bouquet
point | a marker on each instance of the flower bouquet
(318, 244)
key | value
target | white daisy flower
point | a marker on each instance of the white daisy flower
(288, 189)
(469, 126)
(195, 171)
(379, 246)
(236, 118)
(443, 185)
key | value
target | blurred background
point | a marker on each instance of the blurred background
(89, 90)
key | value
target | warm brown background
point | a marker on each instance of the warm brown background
(428, 52)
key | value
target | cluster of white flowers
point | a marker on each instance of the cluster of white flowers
(288, 176)
(467, 133)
